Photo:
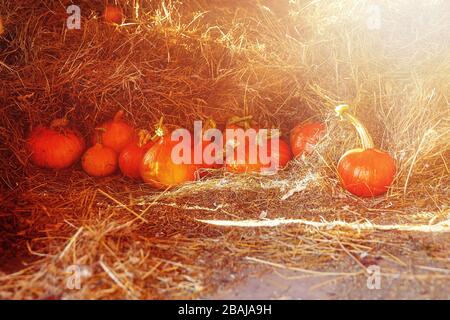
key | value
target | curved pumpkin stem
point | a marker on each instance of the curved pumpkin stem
(136, 6)
(118, 116)
(244, 120)
(364, 136)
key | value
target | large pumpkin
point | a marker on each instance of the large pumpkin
(116, 133)
(56, 147)
(159, 169)
(366, 171)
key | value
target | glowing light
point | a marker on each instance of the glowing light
(443, 226)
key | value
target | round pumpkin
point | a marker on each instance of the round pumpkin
(206, 144)
(131, 156)
(236, 123)
(158, 168)
(366, 171)
(304, 137)
(240, 160)
(279, 157)
(237, 157)
(116, 133)
(56, 147)
(113, 14)
(265, 151)
(99, 161)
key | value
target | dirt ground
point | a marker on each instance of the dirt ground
(401, 278)
(284, 284)
(412, 265)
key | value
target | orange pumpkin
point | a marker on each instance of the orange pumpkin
(280, 158)
(236, 123)
(115, 134)
(366, 171)
(238, 158)
(131, 156)
(206, 143)
(241, 161)
(159, 169)
(99, 161)
(56, 147)
(304, 137)
(113, 14)
(263, 146)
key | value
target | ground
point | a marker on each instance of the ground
(172, 254)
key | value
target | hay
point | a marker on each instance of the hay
(281, 62)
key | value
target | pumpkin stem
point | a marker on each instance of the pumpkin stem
(59, 123)
(98, 132)
(160, 130)
(268, 135)
(136, 6)
(118, 116)
(209, 124)
(364, 136)
(244, 120)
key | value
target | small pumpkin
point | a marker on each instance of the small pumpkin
(304, 137)
(113, 14)
(263, 145)
(280, 158)
(238, 158)
(116, 133)
(236, 123)
(56, 147)
(366, 171)
(158, 168)
(99, 161)
(205, 144)
(131, 156)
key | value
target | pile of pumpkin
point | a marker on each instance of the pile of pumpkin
(140, 155)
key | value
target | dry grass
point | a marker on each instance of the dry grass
(281, 62)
